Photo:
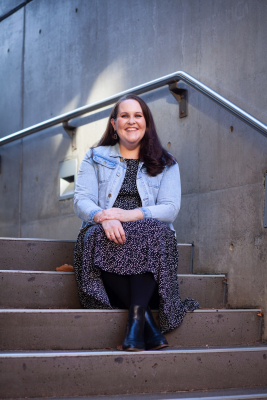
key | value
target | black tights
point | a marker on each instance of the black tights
(131, 289)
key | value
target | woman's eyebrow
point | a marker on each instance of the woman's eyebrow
(135, 112)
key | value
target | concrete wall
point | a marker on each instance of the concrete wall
(59, 55)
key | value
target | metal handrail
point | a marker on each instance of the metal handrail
(146, 87)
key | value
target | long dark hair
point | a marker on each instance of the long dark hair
(153, 155)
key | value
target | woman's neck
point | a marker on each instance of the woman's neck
(129, 153)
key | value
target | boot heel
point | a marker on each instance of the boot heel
(154, 339)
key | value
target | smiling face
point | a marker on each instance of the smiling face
(130, 124)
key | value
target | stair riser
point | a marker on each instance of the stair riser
(38, 255)
(35, 255)
(99, 330)
(131, 373)
(57, 290)
(21, 290)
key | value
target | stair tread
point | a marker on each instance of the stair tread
(18, 271)
(104, 352)
(219, 394)
(82, 310)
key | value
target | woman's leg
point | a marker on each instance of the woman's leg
(131, 289)
(119, 284)
(135, 291)
(142, 288)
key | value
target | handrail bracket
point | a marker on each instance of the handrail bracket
(71, 131)
(181, 95)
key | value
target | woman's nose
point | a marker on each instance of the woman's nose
(131, 120)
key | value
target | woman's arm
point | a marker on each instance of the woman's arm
(112, 227)
(119, 214)
(168, 199)
(167, 203)
(86, 192)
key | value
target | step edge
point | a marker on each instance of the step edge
(42, 354)
(19, 271)
(228, 397)
(89, 311)
(60, 240)
(36, 240)
(241, 396)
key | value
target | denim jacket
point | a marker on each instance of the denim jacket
(100, 178)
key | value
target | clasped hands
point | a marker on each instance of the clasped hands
(111, 220)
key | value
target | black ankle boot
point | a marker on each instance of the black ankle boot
(154, 339)
(134, 338)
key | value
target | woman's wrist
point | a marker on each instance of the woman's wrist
(96, 216)
(137, 214)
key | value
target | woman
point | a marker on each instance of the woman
(128, 194)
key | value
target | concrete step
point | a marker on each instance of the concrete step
(35, 254)
(52, 289)
(99, 329)
(219, 394)
(84, 373)
(48, 254)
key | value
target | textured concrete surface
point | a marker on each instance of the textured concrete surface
(38, 290)
(92, 329)
(59, 290)
(11, 72)
(47, 255)
(73, 58)
(86, 373)
(35, 255)
(8, 5)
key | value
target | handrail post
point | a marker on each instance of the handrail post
(71, 131)
(181, 95)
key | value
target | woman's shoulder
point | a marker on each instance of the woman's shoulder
(99, 150)
(172, 160)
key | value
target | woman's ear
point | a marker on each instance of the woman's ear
(113, 123)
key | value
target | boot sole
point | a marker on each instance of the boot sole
(133, 349)
(161, 346)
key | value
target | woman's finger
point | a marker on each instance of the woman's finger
(122, 233)
(107, 216)
(104, 218)
(108, 235)
(118, 236)
(114, 238)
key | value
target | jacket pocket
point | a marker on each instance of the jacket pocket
(105, 168)
(153, 181)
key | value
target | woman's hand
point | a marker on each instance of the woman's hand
(119, 214)
(114, 231)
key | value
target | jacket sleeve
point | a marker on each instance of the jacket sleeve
(86, 192)
(168, 199)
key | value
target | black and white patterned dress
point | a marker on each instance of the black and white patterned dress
(150, 247)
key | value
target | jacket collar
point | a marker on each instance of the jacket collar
(115, 151)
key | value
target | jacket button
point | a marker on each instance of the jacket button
(105, 162)
(118, 174)
(109, 195)
(121, 159)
